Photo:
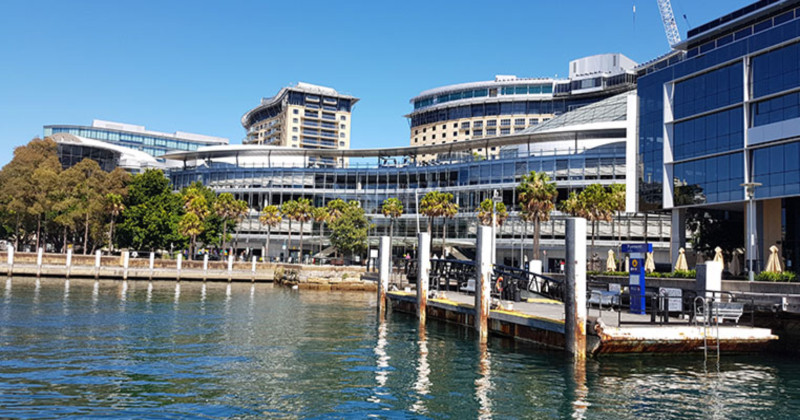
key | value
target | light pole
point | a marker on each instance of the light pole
(750, 190)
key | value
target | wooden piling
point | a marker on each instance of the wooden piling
(483, 273)
(423, 273)
(575, 299)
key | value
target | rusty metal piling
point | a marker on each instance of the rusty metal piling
(423, 273)
(575, 298)
(384, 257)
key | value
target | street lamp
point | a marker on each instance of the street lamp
(750, 190)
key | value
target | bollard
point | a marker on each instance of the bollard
(230, 267)
(39, 258)
(97, 256)
(126, 258)
(423, 273)
(179, 265)
(483, 290)
(10, 250)
(384, 256)
(152, 264)
(69, 261)
(253, 270)
(205, 267)
(575, 298)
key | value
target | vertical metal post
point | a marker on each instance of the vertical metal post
(39, 257)
(423, 273)
(385, 257)
(69, 261)
(205, 267)
(483, 273)
(253, 270)
(575, 299)
(10, 250)
(97, 258)
(230, 266)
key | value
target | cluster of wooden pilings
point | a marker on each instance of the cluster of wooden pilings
(575, 270)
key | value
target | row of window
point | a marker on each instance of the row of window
(713, 133)
(125, 139)
(712, 90)
(777, 168)
(777, 109)
(526, 89)
(552, 106)
(713, 180)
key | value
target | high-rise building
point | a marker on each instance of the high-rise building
(509, 104)
(136, 137)
(303, 116)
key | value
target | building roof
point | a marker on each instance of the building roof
(128, 158)
(608, 110)
(140, 129)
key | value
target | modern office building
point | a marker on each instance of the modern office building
(303, 116)
(588, 145)
(509, 105)
(721, 111)
(73, 149)
(136, 137)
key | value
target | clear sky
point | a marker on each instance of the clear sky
(198, 66)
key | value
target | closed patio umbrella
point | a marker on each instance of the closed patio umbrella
(681, 264)
(735, 269)
(611, 263)
(649, 263)
(774, 262)
(718, 256)
(627, 264)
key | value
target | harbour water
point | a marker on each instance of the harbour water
(82, 348)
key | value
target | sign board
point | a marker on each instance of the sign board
(373, 253)
(637, 248)
(673, 301)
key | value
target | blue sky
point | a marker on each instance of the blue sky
(198, 66)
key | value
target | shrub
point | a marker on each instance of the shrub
(786, 276)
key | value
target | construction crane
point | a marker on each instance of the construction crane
(668, 18)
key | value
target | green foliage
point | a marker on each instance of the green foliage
(785, 276)
(152, 213)
(485, 212)
(690, 274)
(392, 207)
(349, 230)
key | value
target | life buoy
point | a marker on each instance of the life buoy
(499, 284)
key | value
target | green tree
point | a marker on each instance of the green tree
(84, 184)
(151, 215)
(536, 197)
(321, 215)
(289, 211)
(114, 205)
(270, 217)
(485, 212)
(196, 206)
(616, 198)
(225, 208)
(349, 230)
(438, 204)
(240, 210)
(191, 225)
(596, 206)
(392, 208)
(303, 214)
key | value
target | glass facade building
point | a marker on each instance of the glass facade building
(721, 111)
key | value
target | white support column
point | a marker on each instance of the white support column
(152, 264)
(230, 266)
(39, 258)
(69, 261)
(97, 258)
(423, 273)
(483, 273)
(179, 265)
(10, 251)
(384, 256)
(126, 259)
(575, 298)
(205, 267)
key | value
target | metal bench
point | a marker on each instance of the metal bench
(470, 286)
(727, 310)
(609, 298)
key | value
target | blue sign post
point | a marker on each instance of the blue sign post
(638, 253)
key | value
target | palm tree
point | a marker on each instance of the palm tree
(224, 207)
(336, 209)
(270, 217)
(240, 210)
(438, 204)
(592, 204)
(320, 215)
(485, 212)
(617, 202)
(191, 225)
(392, 208)
(114, 207)
(303, 215)
(289, 211)
(536, 196)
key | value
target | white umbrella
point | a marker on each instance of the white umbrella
(627, 264)
(774, 262)
(718, 256)
(734, 265)
(681, 264)
(649, 264)
(611, 263)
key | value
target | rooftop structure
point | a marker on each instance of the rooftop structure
(73, 149)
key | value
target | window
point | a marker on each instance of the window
(519, 121)
(433, 137)
(455, 133)
(416, 140)
(533, 121)
(416, 131)
(491, 132)
(294, 138)
(455, 125)
(477, 133)
(342, 126)
(294, 120)
(341, 143)
(424, 130)
(491, 123)
(504, 131)
(343, 118)
(424, 138)
(444, 135)
(295, 111)
(477, 124)
(464, 125)
(294, 129)
(505, 122)
(444, 126)
(341, 135)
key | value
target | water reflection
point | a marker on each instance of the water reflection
(483, 384)
(66, 298)
(95, 295)
(423, 382)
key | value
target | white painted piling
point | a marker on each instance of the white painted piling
(423, 274)
(69, 261)
(575, 297)
(230, 267)
(39, 258)
(483, 273)
(179, 265)
(205, 267)
(126, 259)
(97, 257)
(253, 270)
(385, 256)
(152, 264)
(10, 251)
